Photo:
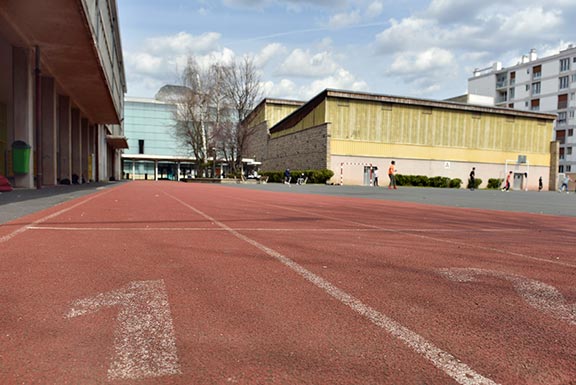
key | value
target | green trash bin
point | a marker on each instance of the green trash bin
(20, 157)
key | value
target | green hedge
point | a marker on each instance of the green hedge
(314, 176)
(477, 183)
(424, 181)
(494, 183)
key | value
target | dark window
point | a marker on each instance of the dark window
(140, 146)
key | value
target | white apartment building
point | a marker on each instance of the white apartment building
(545, 84)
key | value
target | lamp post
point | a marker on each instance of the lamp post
(213, 162)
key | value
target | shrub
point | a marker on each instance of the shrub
(477, 183)
(494, 183)
(314, 176)
(455, 183)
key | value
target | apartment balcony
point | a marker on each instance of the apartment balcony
(562, 105)
(536, 75)
(502, 83)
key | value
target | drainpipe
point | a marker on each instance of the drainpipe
(38, 120)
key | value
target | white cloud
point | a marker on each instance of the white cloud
(183, 42)
(268, 53)
(342, 20)
(374, 9)
(422, 63)
(530, 22)
(303, 63)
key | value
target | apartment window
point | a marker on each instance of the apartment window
(527, 87)
(568, 150)
(574, 78)
(561, 118)
(570, 132)
(536, 88)
(536, 72)
(140, 146)
(535, 105)
(572, 95)
(562, 101)
(568, 168)
(571, 114)
(564, 82)
(564, 65)
(512, 78)
(560, 168)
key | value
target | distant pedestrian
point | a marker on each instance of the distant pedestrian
(375, 177)
(540, 184)
(392, 175)
(508, 181)
(564, 185)
(472, 179)
(287, 176)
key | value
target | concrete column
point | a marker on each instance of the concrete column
(76, 145)
(84, 128)
(65, 135)
(23, 102)
(48, 140)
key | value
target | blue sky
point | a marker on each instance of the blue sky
(420, 48)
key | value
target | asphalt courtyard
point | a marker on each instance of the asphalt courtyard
(186, 283)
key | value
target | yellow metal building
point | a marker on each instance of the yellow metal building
(353, 133)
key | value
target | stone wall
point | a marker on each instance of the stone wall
(302, 150)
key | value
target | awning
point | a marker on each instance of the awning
(117, 141)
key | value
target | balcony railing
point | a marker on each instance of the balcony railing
(562, 105)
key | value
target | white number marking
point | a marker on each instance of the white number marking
(542, 297)
(144, 340)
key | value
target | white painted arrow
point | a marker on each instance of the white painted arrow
(144, 339)
(542, 297)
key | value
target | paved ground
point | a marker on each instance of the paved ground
(174, 283)
(21, 202)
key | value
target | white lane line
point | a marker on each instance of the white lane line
(541, 296)
(282, 230)
(144, 338)
(22, 229)
(444, 361)
(427, 237)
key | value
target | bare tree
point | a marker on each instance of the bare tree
(211, 108)
(243, 90)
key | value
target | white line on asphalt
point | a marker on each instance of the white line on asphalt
(22, 229)
(445, 361)
(306, 230)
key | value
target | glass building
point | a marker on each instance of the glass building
(154, 153)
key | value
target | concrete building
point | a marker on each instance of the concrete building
(62, 88)
(545, 84)
(351, 133)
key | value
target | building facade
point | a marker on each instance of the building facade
(154, 153)
(352, 133)
(62, 88)
(545, 84)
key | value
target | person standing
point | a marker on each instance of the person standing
(508, 180)
(375, 177)
(392, 175)
(473, 179)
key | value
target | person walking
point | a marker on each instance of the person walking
(375, 177)
(564, 185)
(392, 175)
(540, 184)
(508, 180)
(472, 179)
(287, 176)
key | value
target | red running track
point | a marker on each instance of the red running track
(167, 283)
